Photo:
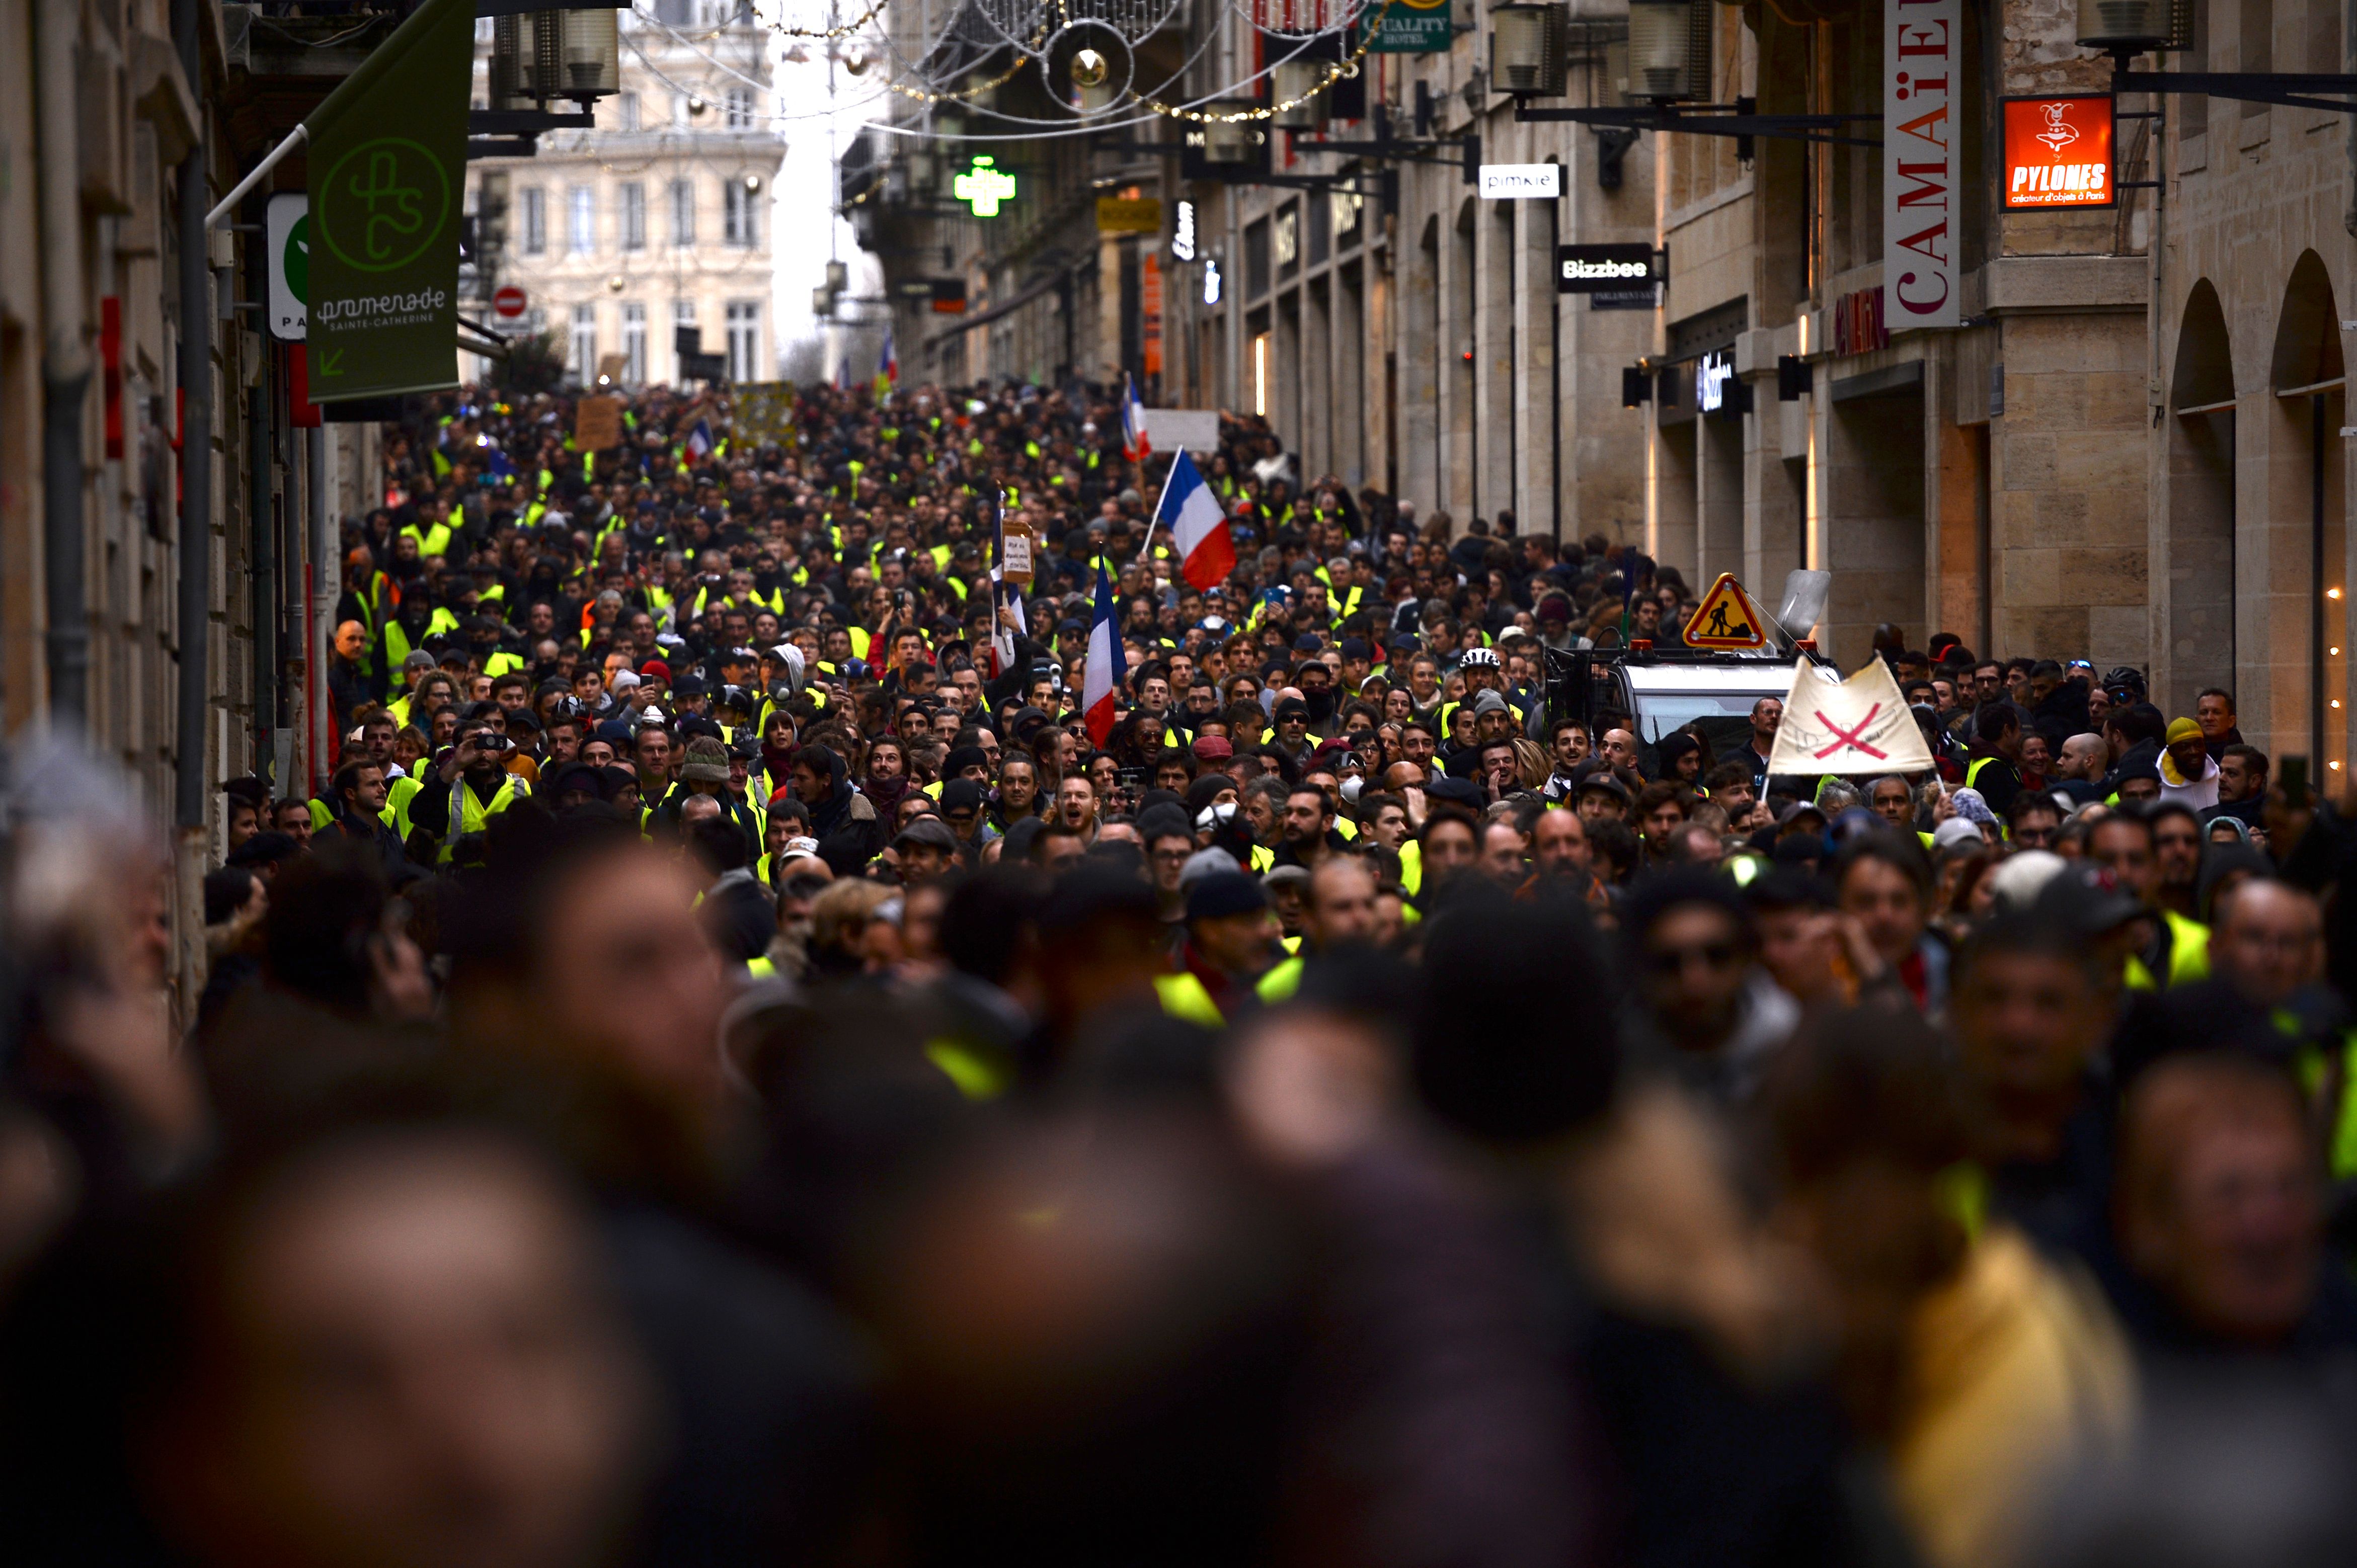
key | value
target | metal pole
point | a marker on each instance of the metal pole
(1554, 363)
(196, 471)
(271, 160)
(65, 363)
(262, 530)
(325, 573)
(2317, 760)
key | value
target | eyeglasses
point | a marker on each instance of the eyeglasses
(1673, 960)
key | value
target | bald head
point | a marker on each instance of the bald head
(2083, 756)
(1341, 901)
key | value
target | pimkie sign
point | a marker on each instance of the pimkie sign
(2058, 151)
(1922, 65)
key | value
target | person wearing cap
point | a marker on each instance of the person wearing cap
(1231, 941)
(2188, 774)
(1597, 794)
(926, 849)
(703, 770)
(965, 807)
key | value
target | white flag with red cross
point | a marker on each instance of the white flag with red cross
(1859, 725)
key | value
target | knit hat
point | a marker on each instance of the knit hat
(1224, 893)
(707, 762)
(2183, 729)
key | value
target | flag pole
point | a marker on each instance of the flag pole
(271, 160)
(1154, 519)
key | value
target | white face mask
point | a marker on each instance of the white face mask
(1350, 790)
(1213, 817)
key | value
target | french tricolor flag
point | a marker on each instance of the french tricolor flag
(699, 441)
(1101, 682)
(1133, 443)
(1198, 523)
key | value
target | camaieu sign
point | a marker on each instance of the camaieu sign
(388, 160)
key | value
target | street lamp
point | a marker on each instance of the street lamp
(593, 53)
(1296, 90)
(838, 277)
(2131, 24)
(1662, 35)
(1229, 141)
(1529, 50)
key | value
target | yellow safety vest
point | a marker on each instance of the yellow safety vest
(1280, 984)
(2188, 956)
(1183, 997)
(469, 816)
(433, 540)
(397, 797)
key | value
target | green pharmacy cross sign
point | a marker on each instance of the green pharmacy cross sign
(984, 187)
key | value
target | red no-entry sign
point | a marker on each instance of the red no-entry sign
(508, 303)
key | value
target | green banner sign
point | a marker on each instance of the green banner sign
(1413, 28)
(388, 162)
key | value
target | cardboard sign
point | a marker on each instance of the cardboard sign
(764, 412)
(1183, 429)
(1859, 725)
(598, 423)
(1726, 618)
(2058, 151)
(1016, 564)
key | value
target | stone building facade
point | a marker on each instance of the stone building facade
(661, 217)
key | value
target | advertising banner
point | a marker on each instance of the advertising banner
(1923, 60)
(388, 164)
(2058, 151)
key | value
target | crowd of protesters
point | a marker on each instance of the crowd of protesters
(737, 1064)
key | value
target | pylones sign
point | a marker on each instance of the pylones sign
(2058, 151)
(388, 162)
(1922, 69)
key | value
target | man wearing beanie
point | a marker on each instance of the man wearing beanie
(2188, 772)
(1230, 941)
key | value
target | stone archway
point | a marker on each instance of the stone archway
(2200, 630)
(2306, 515)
